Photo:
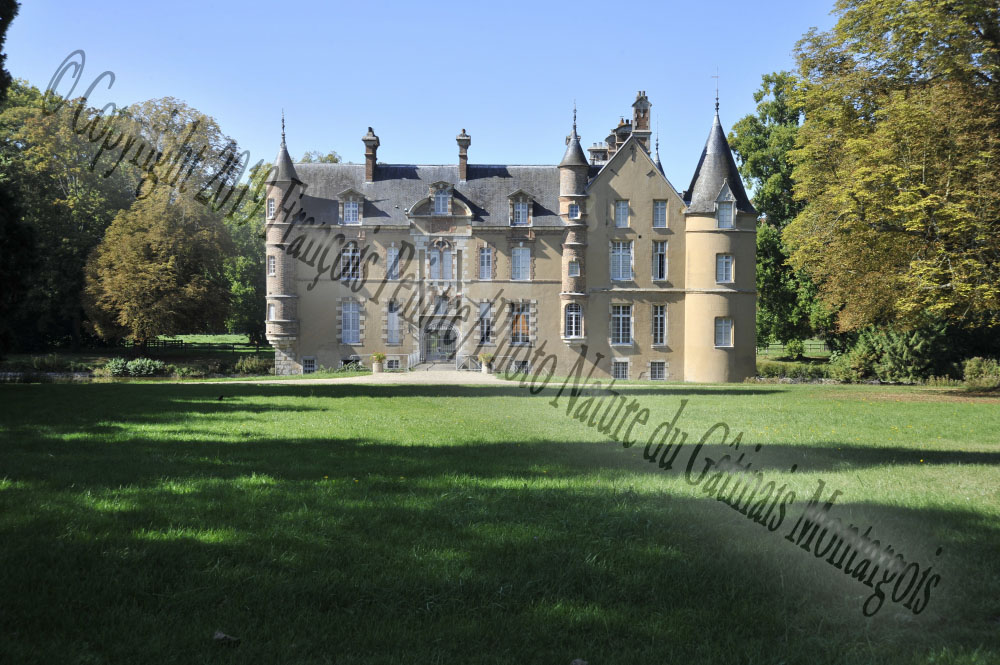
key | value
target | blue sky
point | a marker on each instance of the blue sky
(421, 72)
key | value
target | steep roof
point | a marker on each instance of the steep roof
(285, 171)
(716, 168)
(399, 186)
(574, 153)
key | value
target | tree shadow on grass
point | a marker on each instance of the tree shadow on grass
(425, 558)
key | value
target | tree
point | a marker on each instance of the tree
(786, 306)
(897, 168)
(159, 271)
(316, 157)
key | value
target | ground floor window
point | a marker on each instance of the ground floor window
(308, 365)
(657, 370)
(619, 369)
(392, 363)
(723, 331)
(621, 324)
(519, 366)
(351, 323)
(574, 320)
(520, 331)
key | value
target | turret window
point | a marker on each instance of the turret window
(574, 321)
(272, 312)
(271, 207)
(271, 266)
(723, 268)
(725, 215)
(574, 269)
(723, 331)
(574, 211)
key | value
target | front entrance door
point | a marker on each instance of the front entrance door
(439, 342)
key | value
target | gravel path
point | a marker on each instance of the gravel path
(437, 377)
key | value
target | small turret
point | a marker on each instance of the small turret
(574, 167)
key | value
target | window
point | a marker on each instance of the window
(621, 260)
(392, 363)
(272, 312)
(350, 323)
(621, 214)
(485, 263)
(520, 331)
(659, 325)
(439, 261)
(574, 211)
(519, 366)
(657, 370)
(723, 331)
(441, 202)
(393, 335)
(659, 260)
(308, 365)
(350, 263)
(392, 263)
(352, 212)
(485, 323)
(659, 214)
(621, 324)
(520, 263)
(725, 215)
(619, 369)
(271, 266)
(270, 208)
(574, 320)
(520, 217)
(723, 268)
(441, 306)
(574, 268)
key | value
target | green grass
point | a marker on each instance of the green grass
(476, 524)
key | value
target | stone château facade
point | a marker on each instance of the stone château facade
(599, 257)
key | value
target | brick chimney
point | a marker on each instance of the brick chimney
(371, 146)
(464, 140)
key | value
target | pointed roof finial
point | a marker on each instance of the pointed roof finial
(574, 116)
(716, 77)
(657, 138)
(282, 126)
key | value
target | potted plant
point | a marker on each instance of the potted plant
(377, 359)
(486, 359)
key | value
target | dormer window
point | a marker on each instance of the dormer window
(441, 200)
(520, 208)
(352, 214)
(724, 215)
(351, 207)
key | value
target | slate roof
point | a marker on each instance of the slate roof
(574, 153)
(716, 167)
(397, 187)
(285, 171)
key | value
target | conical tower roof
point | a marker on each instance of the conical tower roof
(716, 168)
(574, 152)
(285, 170)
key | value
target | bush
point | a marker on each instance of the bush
(352, 367)
(892, 356)
(770, 369)
(145, 367)
(378, 357)
(795, 349)
(117, 367)
(981, 372)
(255, 365)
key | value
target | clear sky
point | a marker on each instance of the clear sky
(508, 72)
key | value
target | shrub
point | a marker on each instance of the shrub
(891, 356)
(117, 367)
(378, 357)
(795, 349)
(486, 358)
(145, 367)
(48, 363)
(352, 367)
(771, 369)
(254, 364)
(981, 372)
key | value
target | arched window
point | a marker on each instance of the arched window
(574, 320)
(441, 202)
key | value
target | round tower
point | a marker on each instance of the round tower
(573, 175)
(281, 210)
(720, 280)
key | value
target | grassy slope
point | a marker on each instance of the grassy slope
(376, 524)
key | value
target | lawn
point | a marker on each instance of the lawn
(480, 524)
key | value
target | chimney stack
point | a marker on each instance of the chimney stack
(464, 140)
(371, 146)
